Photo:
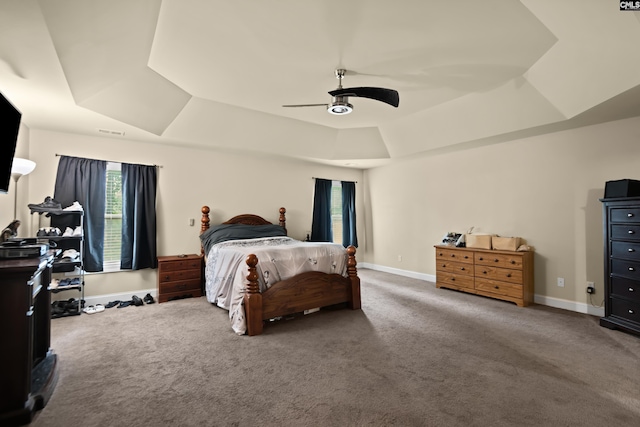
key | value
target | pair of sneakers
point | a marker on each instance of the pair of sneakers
(71, 232)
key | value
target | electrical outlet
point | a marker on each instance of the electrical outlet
(400, 258)
(591, 289)
(561, 282)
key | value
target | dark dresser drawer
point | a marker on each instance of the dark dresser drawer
(625, 232)
(625, 215)
(625, 268)
(626, 250)
(625, 288)
(625, 309)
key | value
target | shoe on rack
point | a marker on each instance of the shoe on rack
(136, 301)
(54, 232)
(148, 299)
(54, 284)
(68, 232)
(70, 255)
(49, 205)
(42, 232)
(77, 231)
(74, 207)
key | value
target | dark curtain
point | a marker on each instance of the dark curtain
(321, 225)
(84, 181)
(349, 235)
(138, 217)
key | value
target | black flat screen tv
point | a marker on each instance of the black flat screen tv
(9, 127)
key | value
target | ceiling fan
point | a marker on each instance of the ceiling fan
(340, 101)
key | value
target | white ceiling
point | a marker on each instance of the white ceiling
(213, 73)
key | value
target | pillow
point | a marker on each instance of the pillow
(224, 232)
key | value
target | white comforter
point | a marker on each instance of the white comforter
(278, 258)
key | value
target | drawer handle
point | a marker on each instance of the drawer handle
(513, 261)
(440, 254)
(631, 232)
(631, 311)
(631, 250)
(453, 279)
(484, 272)
(182, 286)
(632, 269)
(444, 265)
(462, 268)
(631, 289)
(466, 256)
(481, 259)
(496, 260)
(629, 215)
(167, 277)
(453, 255)
(496, 287)
(509, 275)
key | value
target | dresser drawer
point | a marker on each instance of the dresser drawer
(625, 309)
(455, 280)
(459, 268)
(625, 214)
(454, 255)
(185, 264)
(180, 286)
(625, 268)
(500, 274)
(625, 288)
(499, 260)
(499, 288)
(625, 232)
(172, 276)
(626, 250)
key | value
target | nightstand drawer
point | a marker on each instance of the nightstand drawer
(180, 286)
(186, 264)
(625, 214)
(172, 276)
(625, 250)
(625, 232)
(625, 309)
(626, 288)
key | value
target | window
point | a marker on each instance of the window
(113, 218)
(336, 211)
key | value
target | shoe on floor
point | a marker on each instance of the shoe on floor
(136, 301)
(113, 303)
(148, 299)
(125, 304)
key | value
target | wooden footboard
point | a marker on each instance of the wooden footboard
(302, 292)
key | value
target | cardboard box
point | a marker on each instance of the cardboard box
(505, 243)
(479, 241)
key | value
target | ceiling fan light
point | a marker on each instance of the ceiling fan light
(340, 108)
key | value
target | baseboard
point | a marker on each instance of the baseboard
(578, 307)
(399, 272)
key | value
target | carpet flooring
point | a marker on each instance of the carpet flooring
(413, 356)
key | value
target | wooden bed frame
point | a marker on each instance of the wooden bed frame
(294, 295)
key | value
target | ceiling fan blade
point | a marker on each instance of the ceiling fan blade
(307, 105)
(388, 96)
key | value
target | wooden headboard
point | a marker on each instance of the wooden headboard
(247, 219)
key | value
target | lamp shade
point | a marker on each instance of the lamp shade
(22, 166)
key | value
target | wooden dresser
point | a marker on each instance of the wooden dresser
(179, 276)
(621, 226)
(505, 275)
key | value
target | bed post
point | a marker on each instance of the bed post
(352, 271)
(253, 299)
(204, 224)
(282, 220)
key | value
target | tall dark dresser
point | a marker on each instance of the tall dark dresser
(621, 226)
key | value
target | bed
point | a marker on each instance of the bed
(291, 276)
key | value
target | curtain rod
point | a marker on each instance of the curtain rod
(315, 177)
(112, 161)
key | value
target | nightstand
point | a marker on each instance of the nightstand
(179, 276)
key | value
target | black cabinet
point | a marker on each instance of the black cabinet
(28, 366)
(621, 227)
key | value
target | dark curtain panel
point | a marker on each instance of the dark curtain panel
(138, 217)
(83, 180)
(349, 236)
(321, 226)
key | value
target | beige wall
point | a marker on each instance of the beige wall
(544, 189)
(229, 183)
